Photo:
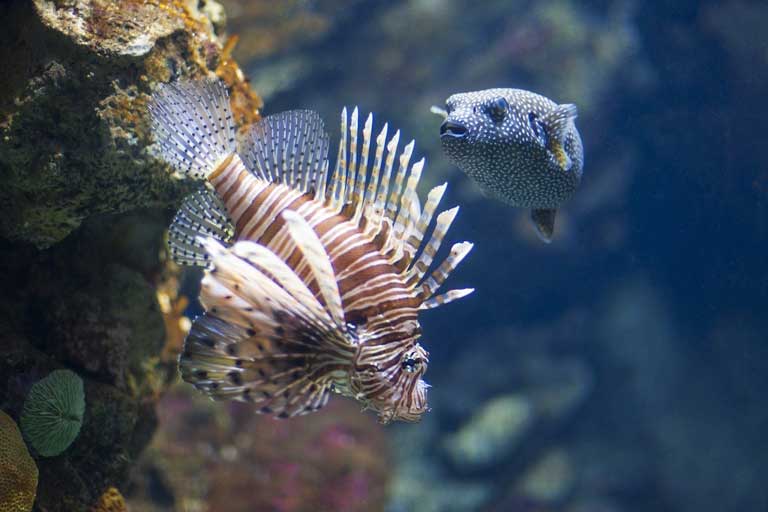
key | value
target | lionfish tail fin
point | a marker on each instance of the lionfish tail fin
(192, 124)
(290, 148)
(264, 338)
(202, 215)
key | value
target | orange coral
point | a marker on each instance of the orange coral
(172, 305)
(110, 501)
(18, 472)
(244, 101)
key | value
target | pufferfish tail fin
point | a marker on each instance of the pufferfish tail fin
(192, 124)
(265, 338)
(558, 122)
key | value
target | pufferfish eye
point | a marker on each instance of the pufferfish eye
(498, 109)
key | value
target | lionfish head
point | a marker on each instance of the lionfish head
(395, 389)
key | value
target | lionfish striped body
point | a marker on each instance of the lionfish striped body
(314, 280)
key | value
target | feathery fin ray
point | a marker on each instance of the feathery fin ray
(202, 214)
(192, 123)
(264, 338)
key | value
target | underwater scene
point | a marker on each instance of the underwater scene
(395, 256)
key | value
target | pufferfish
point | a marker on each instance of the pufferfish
(313, 281)
(520, 147)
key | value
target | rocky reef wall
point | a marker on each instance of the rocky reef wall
(83, 209)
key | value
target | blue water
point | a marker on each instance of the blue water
(656, 279)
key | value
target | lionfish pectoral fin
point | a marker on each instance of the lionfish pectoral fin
(544, 221)
(289, 148)
(226, 361)
(202, 214)
(557, 123)
(320, 264)
(264, 338)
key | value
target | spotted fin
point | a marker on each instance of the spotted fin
(264, 337)
(227, 361)
(557, 123)
(192, 125)
(544, 220)
(289, 148)
(202, 215)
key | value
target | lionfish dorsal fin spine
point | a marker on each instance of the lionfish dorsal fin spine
(442, 225)
(193, 127)
(322, 183)
(445, 298)
(352, 162)
(410, 208)
(430, 285)
(202, 214)
(336, 200)
(373, 182)
(397, 189)
(318, 261)
(381, 198)
(420, 266)
(358, 198)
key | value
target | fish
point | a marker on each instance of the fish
(518, 146)
(313, 280)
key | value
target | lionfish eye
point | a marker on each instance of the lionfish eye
(410, 364)
(538, 128)
(498, 109)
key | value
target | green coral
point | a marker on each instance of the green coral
(53, 412)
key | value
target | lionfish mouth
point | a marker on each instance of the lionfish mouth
(409, 408)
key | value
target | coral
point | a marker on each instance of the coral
(550, 479)
(84, 206)
(172, 306)
(110, 501)
(491, 433)
(73, 113)
(221, 456)
(53, 412)
(18, 472)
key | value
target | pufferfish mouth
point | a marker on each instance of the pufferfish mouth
(452, 129)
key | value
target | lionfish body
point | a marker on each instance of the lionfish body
(313, 280)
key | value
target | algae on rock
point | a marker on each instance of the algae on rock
(83, 210)
(73, 113)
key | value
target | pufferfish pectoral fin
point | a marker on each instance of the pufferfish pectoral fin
(544, 220)
(558, 122)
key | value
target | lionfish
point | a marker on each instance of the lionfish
(313, 281)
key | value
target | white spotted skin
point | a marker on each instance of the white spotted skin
(506, 157)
